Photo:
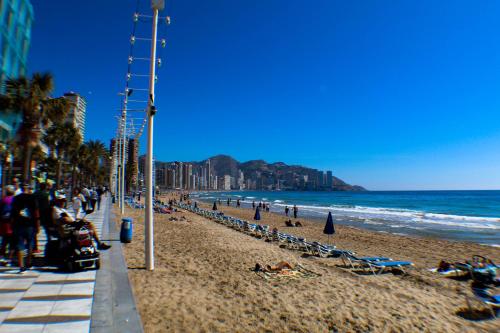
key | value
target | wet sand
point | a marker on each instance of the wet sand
(203, 281)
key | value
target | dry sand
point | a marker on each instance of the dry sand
(203, 281)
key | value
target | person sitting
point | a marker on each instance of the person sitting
(289, 223)
(61, 217)
(298, 224)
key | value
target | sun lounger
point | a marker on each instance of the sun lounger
(377, 265)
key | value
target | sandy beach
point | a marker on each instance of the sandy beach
(203, 281)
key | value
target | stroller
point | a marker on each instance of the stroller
(74, 249)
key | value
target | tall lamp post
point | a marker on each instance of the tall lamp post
(127, 93)
(156, 5)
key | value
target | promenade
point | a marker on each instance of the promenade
(45, 299)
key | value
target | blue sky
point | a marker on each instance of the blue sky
(388, 94)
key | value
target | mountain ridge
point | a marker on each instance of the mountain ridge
(267, 175)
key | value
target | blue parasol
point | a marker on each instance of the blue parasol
(329, 227)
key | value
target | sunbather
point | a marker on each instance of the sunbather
(282, 265)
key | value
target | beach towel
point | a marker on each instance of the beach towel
(299, 272)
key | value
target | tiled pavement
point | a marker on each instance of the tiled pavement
(47, 300)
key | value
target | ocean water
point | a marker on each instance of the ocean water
(472, 216)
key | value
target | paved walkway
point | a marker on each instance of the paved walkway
(47, 300)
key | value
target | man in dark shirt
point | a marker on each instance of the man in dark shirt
(43, 198)
(26, 223)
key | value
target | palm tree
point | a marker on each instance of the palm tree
(97, 152)
(61, 138)
(78, 157)
(31, 98)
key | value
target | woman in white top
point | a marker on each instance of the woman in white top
(77, 203)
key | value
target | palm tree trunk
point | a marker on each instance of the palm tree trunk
(28, 149)
(58, 173)
(4, 172)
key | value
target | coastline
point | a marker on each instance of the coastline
(445, 216)
(203, 281)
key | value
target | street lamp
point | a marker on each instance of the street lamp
(156, 5)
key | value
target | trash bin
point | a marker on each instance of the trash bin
(126, 230)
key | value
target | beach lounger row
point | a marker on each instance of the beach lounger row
(376, 265)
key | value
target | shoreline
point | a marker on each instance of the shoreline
(397, 221)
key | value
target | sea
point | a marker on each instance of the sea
(472, 216)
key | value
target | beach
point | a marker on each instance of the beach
(203, 281)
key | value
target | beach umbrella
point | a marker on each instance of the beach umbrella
(257, 214)
(329, 227)
(215, 206)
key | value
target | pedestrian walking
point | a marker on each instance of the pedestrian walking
(6, 228)
(26, 222)
(100, 192)
(43, 199)
(93, 198)
(287, 210)
(253, 204)
(238, 203)
(295, 211)
(77, 203)
(85, 197)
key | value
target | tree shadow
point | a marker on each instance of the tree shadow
(475, 314)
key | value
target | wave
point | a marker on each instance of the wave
(393, 217)
(403, 215)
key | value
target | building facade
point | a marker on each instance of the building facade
(16, 18)
(77, 112)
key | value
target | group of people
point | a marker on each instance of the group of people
(262, 206)
(295, 211)
(23, 210)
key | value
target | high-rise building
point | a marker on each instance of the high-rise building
(16, 17)
(329, 179)
(77, 111)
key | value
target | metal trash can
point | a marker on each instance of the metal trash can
(126, 230)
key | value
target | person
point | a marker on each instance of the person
(42, 196)
(85, 197)
(238, 203)
(78, 203)
(26, 222)
(17, 186)
(228, 202)
(267, 208)
(287, 210)
(279, 267)
(61, 216)
(93, 198)
(295, 211)
(253, 204)
(99, 197)
(6, 230)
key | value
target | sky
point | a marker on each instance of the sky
(390, 95)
